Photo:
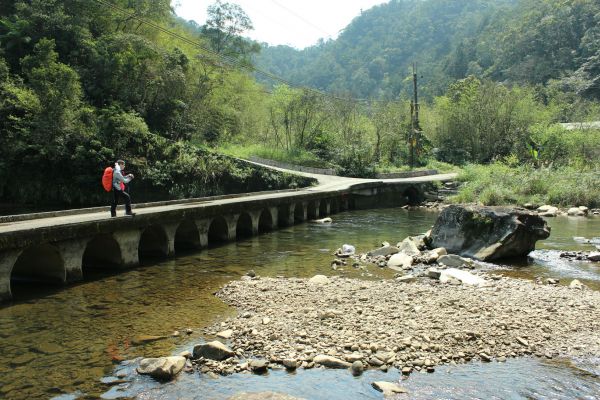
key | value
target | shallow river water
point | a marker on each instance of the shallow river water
(67, 342)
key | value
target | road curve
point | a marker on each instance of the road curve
(326, 183)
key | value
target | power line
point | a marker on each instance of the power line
(230, 60)
(300, 17)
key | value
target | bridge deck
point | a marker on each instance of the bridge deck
(327, 183)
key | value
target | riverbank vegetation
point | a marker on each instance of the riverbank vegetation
(84, 82)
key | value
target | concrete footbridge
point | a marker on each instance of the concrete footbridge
(59, 247)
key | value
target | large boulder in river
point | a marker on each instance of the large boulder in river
(488, 233)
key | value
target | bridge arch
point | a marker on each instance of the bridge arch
(334, 206)
(154, 243)
(42, 262)
(300, 212)
(285, 214)
(412, 196)
(102, 251)
(265, 221)
(218, 230)
(187, 236)
(312, 211)
(244, 225)
(323, 208)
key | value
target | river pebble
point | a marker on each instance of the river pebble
(410, 326)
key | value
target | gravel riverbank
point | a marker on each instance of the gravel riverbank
(411, 326)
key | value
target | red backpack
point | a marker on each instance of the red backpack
(107, 178)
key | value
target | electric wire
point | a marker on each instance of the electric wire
(232, 61)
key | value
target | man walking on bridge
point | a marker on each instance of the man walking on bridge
(118, 187)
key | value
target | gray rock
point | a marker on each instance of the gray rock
(488, 233)
(331, 362)
(431, 256)
(388, 388)
(406, 278)
(453, 261)
(290, 364)
(186, 354)
(226, 334)
(357, 368)
(383, 251)
(352, 358)
(408, 247)
(212, 350)
(47, 348)
(163, 368)
(434, 273)
(259, 366)
(376, 362)
(251, 273)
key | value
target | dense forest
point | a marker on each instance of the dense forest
(83, 82)
(517, 41)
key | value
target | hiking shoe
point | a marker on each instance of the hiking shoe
(130, 214)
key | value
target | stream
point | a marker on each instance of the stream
(70, 342)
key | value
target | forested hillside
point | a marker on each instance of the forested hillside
(519, 41)
(84, 82)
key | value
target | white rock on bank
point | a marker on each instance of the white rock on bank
(547, 211)
(319, 280)
(576, 284)
(575, 212)
(463, 276)
(400, 260)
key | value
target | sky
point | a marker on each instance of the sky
(296, 23)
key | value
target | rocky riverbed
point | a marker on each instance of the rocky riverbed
(346, 323)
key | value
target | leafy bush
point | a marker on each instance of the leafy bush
(500, 184)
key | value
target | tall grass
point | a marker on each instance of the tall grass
(501, 184)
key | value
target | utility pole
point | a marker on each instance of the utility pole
(415, 129)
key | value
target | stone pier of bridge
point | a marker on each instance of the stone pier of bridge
(61, 247)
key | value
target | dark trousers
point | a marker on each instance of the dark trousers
(125, 196)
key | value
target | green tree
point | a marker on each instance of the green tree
(224, 26)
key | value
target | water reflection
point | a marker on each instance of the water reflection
(525, 378)
(64, 340)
